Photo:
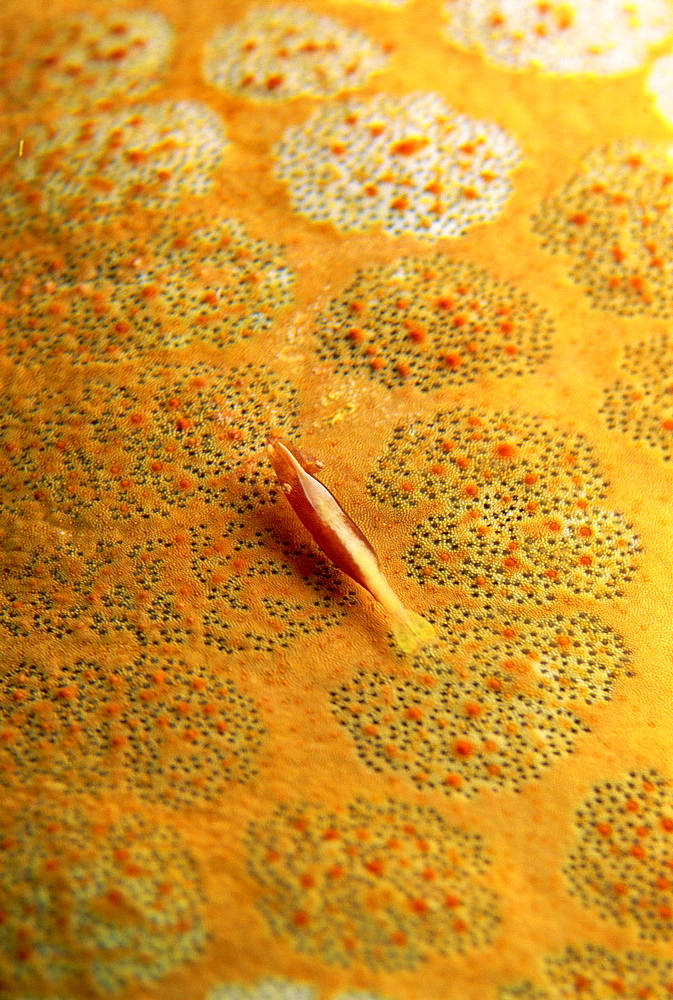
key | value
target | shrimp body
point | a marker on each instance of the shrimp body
(341, 540)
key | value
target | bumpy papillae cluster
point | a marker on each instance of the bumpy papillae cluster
(279, 52)
(281, 989)
(164, 730)
(263, 590)
(388, 885)
(432, 322)
(96, 904)
(595, 973)
(100, 443)
(105, 298)
(407, 164)
(491, 706)
(613, 223)
(230, 584)
(110, 163)
(621, 865)
(84, 58)
(93, 587)
(522, 517)
(583, 36)
(640, 402)
(265, 989)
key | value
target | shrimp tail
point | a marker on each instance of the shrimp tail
(411, 632)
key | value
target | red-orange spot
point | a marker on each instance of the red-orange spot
(406, 147)
(400, 204)
(418, 906)
(415, 331)
(453, 361)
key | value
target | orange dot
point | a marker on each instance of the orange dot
(505, 450)
(419, 906)
(376, 867)
(415, 331)
(406, 147)
(463, 748)
(301, 918)
(400, 204)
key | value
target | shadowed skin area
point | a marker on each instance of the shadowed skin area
(397, 723)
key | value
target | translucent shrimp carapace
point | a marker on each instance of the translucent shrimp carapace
(341, 540)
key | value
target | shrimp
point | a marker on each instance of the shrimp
(342, 541)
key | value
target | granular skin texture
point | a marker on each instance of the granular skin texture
(224, 564)
(409, 165)
(590, 36)
(76, 61)
(70, 884)
(432, 323)
(422, 880)
(158, 727)
(493, 705)
(109, 299)
(621, 864)
(153, 155)
(611, 222)
(172, 433)
(600, 974)
(522, 515)
(640, 402)
(280, 52)
(428, 246)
